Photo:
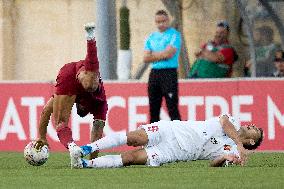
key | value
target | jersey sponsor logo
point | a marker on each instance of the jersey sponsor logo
(154, 156)
(153, 128)
(227, 147)
(213, 140)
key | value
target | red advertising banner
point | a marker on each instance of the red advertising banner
(257, 101)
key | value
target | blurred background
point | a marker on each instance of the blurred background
(40, 36)
(37, 37)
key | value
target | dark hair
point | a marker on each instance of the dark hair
(224, 24)
(162, 12)
(257, 143)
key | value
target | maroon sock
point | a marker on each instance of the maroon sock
(64, 134)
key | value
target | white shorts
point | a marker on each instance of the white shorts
(162, 146)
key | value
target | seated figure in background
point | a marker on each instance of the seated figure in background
(279, 64)
(265, 49)
(215, 59)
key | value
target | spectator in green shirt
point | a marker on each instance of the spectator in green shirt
(215, 58)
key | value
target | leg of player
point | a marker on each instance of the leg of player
(90, 31)
(133, 138)
(133, 157)
(96, 134)
(62, 105)
(92, 57)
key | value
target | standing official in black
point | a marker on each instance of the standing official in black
(162, 50)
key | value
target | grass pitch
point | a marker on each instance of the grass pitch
(264, 170)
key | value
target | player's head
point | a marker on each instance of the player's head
(222, 32)
(89, 80)
(162, 20)
(251, 136)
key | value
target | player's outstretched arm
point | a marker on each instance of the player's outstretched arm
(97, 129)
(220, 161)
(43, 123)
(96, 134)
(230, 130)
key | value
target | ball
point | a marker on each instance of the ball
(36, 157)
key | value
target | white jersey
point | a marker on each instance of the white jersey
(218, 146)
(203, 134)
(170, 141)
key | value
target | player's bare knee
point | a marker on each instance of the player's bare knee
(127, 158)
(131, 139)
(136, 138)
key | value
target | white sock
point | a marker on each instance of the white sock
(108, 161)
(71, 145)
(109, 141)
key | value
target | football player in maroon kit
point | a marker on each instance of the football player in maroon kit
(80, 83)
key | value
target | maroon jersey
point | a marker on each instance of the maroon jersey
(68, 84)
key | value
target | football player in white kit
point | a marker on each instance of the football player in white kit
(219, 139)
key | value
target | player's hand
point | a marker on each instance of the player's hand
(231, 158)
(243, 154)
(40, 143)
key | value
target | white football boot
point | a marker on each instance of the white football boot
(90, 30)
(75, 156)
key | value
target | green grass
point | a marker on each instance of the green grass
(264, 170)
